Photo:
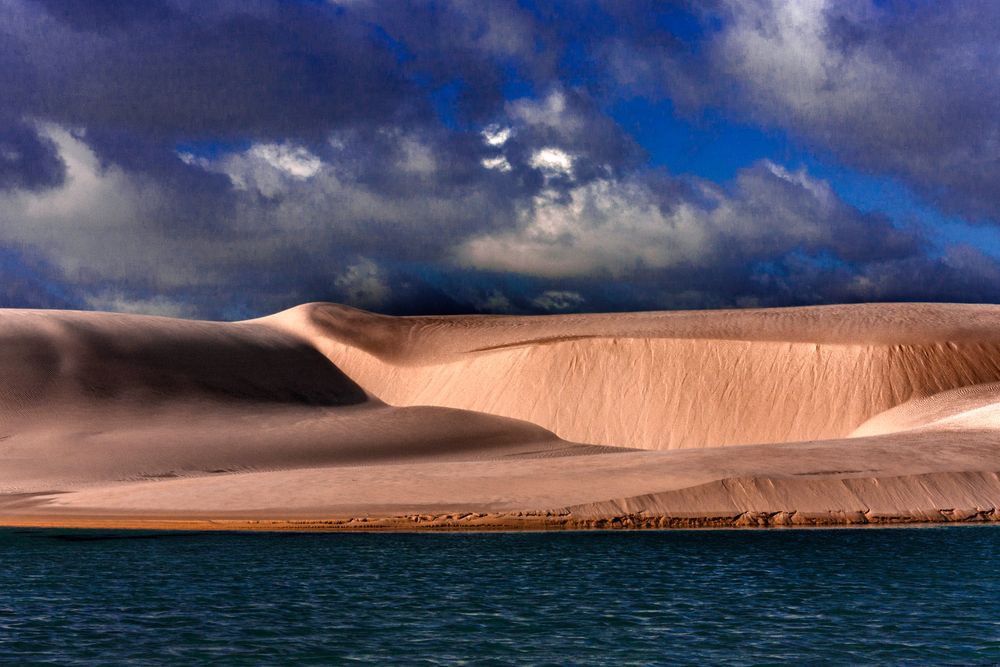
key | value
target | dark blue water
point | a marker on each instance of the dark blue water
(923, 595)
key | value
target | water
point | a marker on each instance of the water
(919, 595)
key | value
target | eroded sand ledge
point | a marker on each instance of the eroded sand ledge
(328, 418)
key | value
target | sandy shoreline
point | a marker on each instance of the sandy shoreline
(507, 522)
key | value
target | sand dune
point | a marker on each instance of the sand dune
(89, 397)
(667, 380)
(339, 418)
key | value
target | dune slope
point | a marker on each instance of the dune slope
(328, 417)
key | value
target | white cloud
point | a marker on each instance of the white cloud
(552, 160)
(99, 221)
(364, 284)
(295, 161)
(117, 301)
(499, 163)
(334, 204)
(495, 302)
(495, 135)
(552, 111)
(270, 169)
(617, 227)
(782, 53)
(557, 300)
(818, 188)
(604, 226)
(104, 225)
(193, 160)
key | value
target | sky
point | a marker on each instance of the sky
(226, 160)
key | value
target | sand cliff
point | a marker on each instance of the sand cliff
(324, 416)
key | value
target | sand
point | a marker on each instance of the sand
(325, 417)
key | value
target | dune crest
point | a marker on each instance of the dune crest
(335, 417)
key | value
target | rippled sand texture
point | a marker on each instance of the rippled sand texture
(328, 417)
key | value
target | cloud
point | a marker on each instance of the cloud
(564, 131)
(495, 302)
(120, 302)
(454, 157)
(295, 161)
(268, 168)
(605, 226)
(28, 161)
(552, 112)
(499, 163)
(552, 160)
(904, 89)
(469, 48)
(283, 227)
(773, 233)
(363, 284)
(496, 136)
(619, 227)
(196, 70)
(558, 300)
(88, 223)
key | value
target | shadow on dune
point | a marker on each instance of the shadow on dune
(157, 360)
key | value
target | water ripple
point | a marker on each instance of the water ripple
(712, 597)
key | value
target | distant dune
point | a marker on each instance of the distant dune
(327, 417)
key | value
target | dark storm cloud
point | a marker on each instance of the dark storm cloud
(108, 14)
(199, 70)
(226, 159)
(27, 161)
(468, 51)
